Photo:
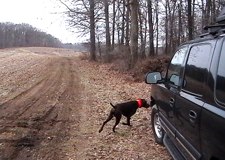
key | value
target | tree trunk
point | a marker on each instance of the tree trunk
(92, 31)
(134, 33)
(127, 37)
(123, 23)
(203, 15)
(213, 11)
(157, 26)
(190, 21)
(108, 44)
(173, 30)
(113, 25)
(118, 24)
(99, 47)
(179, 22)
(166, 29)
(142, 49)
(151, 32)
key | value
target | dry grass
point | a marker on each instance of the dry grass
(84, 56)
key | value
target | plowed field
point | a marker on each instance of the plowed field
(52, 105)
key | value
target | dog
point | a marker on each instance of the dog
(127, 109)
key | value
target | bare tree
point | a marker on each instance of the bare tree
(92, 31)
(108, 43)
(190, 20)
(142, 28)
(155, 24)
(151, 31)
(81, 15)
(134, 32)
(127, 37)
(113, 24)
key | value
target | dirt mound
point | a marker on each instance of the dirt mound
(137, 74)
(154, 64)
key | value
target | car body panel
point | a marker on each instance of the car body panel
(195, 123)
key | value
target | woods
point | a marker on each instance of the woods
(136, 29)
(147, 28)
(24, 35)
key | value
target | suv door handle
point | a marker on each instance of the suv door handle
(193, 114)
(171, 102)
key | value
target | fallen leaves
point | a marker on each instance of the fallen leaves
(102, 86)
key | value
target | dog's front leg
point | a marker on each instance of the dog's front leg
(128, 122)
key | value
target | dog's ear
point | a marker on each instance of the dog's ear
(145, 104)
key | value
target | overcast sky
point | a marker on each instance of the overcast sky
(42, 14)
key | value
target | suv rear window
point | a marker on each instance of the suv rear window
(196, 68)
(220, 82)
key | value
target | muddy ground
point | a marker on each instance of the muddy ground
(52, 105)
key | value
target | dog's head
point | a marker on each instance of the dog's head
(143, 103)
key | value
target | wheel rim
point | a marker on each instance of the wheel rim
(157, 126)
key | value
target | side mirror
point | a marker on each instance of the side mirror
(174, 79)
(153, 78)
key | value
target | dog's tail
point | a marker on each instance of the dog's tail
(112, 105)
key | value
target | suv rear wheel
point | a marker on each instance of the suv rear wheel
(156, 126)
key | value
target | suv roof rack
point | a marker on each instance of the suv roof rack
(221, 18)
(214, 29)
(218, 28)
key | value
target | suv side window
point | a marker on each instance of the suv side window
(174, 70)
(220, 80)
(196, 68)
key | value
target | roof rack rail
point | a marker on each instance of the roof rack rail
(204, 35)
(214, 29)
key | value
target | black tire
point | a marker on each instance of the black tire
(156, 126)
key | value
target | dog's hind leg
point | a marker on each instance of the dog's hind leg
(107, 120)
(118, 118)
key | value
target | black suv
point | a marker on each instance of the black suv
(188, 104)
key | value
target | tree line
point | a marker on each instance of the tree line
(24, 35)
(147, 28)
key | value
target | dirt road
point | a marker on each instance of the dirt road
(52, 104)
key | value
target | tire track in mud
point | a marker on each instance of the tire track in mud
(65, 108)
(28, 98)
(34, 110)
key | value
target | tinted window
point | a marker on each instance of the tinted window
(220, 82)
(196, 68)
(174, 69)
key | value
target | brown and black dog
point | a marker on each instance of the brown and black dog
(126, 109)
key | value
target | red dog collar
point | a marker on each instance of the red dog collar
(139, 101)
